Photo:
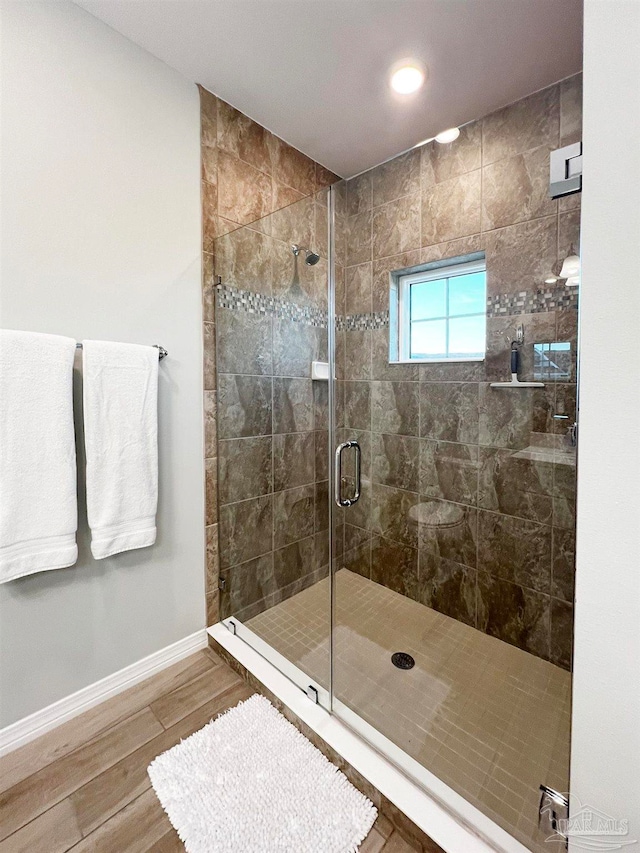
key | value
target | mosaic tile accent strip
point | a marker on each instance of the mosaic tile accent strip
(362, 322)
(532, 301)
(498, 305)
(270, 306)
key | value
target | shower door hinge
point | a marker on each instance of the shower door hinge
(231, 625)
(312, 693)
(553, 813)
(565, 170)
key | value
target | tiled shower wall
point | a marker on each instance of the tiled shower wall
(456, 512)
(248, 174)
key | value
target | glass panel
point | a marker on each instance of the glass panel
(273, 436)
(429, 339)
(467, 294)
(467, 337)
(452, 634)
(428, 299)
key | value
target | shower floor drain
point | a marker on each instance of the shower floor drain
(402, 660)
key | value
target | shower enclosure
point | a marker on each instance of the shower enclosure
(396, 523)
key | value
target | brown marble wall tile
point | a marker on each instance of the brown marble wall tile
(293, 460)
(210, 228)
(212, 608)
(246, 584)
(396, 178)
(293, 562)
(212, 557)
(453, 250)
(396, 226)
(449, 471)
(292, 405)
(321, 506)
(357, 405)
(571, 110)
(243, 342)
(358, 560)
(320, 405)
(447, 530)
(321, 444)
(395, 566)
(381, 269)
(523, 125)
(461, 371)
(359, 514)
(447, 587)
(293, 515)
(244, 138)
(521, 256)
(209, 366)
(208, 118)
(568, 232)
(358, 288)
(561, 636)
(256, 516)
(395, 407)
(395, 461)
(514, 485)
(359, 238)
(359, 193)
(210, 424)
(391, 515)
(358, 353)
(514, 614)
(244, 192)
(211, 490)
(209, 165)
(516, 550)
(355, 536)
(295, 223)
(243, 259)
(451, 209)
(443, 162)
(508, 419)
(292, 167)
(516, 189)
(449, 411)
(381, 368)
(208, 289)
(244, 468)
(563, 564)
(295, 346)
(244, 406)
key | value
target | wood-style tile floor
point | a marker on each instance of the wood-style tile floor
(84, 786)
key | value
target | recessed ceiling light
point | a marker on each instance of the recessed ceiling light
(448, 135)
(407, 79)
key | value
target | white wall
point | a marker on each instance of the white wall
(606, 715)
(101, 239)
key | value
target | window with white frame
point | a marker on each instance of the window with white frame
(442, 313)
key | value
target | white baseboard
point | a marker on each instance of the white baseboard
(31, 727)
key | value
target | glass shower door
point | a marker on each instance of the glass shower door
(273, 437)
(453, 569)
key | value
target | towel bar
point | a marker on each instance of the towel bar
(162, 352)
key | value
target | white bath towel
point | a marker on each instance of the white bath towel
(38, 504)
(121, 441)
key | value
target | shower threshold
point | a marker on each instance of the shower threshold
(449, 724)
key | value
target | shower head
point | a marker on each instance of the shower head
(311, 258)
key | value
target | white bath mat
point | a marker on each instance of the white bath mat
(249, 782)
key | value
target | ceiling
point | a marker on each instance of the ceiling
(315, 72)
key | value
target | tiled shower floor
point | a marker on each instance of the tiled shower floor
(488, 719)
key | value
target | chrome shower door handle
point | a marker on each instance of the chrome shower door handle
(338, 474)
